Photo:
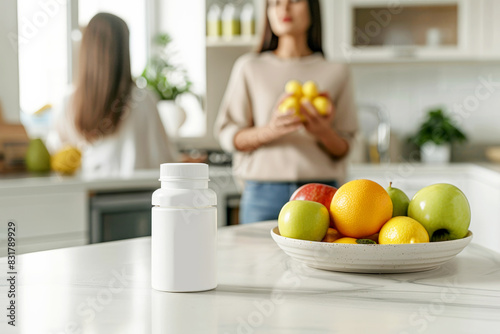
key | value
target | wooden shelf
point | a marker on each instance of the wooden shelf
(236, 41)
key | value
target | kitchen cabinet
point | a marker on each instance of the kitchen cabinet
(45, 218)
(489, 29)
(413, 30)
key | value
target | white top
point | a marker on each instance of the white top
(140, 142)
(106, 288)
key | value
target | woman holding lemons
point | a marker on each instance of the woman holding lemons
(277, 149)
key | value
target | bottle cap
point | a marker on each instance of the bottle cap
(183, 171)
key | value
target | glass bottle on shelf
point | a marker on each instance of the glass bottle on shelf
(214, 23)
(230, 21)
(247, 19)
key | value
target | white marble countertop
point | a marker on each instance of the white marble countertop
(147, 178)
(222, 177)
(105, 288)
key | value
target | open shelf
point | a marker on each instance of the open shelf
(235, 41)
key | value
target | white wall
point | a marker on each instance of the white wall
(9, 66)
(409, 90)
(185, 22)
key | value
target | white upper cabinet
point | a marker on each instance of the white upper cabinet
(489, 25)
(411, 30)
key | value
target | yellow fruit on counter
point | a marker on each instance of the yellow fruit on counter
(310, 89)
(402, 230)
(66, 161)
(294, 87)
(322, 105)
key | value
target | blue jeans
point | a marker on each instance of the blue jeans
(264, 200)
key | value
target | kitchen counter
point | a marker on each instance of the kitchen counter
(52, 211)
(105, 288)
(11, 184)
(58, 214)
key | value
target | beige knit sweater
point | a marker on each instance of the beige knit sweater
(256, 83)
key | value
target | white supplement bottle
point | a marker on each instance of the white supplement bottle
(184, 230)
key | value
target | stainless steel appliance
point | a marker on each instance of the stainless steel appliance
(123, 215)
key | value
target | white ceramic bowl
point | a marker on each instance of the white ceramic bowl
(371, 258)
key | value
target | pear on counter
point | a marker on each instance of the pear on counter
(37, 157)
(399, 200)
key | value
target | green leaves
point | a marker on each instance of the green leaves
(439, 129)
(167, 79)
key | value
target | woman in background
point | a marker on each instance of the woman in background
(275, 153)
(115, 124)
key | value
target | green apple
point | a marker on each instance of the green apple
(443, 210)
(306, 220)
(399, 200)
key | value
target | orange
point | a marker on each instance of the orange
(403, 230)
(359, 208)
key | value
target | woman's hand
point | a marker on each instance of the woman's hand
(281, 123)
(320, 127)
(316, 124)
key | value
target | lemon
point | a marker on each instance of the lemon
(322, 104)
(402, 230)
(294, 87)
(309, 89)
(354, 241)
(291, 103)
(346, 240)
(67, 160)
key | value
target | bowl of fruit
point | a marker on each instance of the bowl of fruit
(362, 227)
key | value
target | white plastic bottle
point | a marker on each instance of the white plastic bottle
(184, 230)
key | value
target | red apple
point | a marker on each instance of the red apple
(315, 192)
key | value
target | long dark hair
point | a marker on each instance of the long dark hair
(269, 40)
(104, 79)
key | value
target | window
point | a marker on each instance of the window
(133, 12)
(43, 53)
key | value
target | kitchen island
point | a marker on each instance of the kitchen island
(105, 288)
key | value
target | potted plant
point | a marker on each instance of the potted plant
(169, 81)
(435, 136)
